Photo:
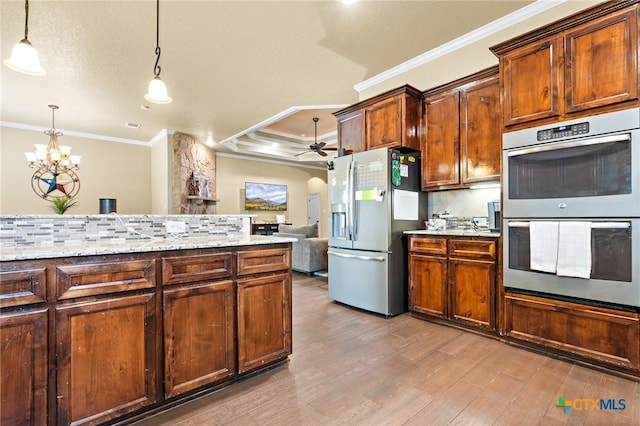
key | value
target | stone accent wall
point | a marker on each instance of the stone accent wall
(23, 230)
(190, 155)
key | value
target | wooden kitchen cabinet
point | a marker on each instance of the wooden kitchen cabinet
(441, 150)
(454, 279)
(391, 120)
(264, 321)
(351, 131)
(463, 140)
(199, 330)
(472, 281)
(581, 65)
(106, 357)
(24, 346)
(264, 307)
(24, 370)
(199, 321)
(428, 276)
(83, 340)
(610, 338)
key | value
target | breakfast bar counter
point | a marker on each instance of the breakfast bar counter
(110, 329)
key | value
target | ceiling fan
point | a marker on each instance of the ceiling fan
(317, 147)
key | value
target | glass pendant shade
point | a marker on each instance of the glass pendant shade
(24, 58)
(157, 92)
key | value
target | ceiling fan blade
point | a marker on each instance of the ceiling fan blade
(324, 154)
(304, 152)
(320, 145)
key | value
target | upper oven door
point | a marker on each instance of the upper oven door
(589, 177)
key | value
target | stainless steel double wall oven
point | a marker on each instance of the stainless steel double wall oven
(585, 170)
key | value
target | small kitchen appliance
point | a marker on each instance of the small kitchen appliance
(494, 215)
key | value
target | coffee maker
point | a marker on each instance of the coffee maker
(494, 215)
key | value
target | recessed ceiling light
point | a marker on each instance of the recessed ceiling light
(132, 125)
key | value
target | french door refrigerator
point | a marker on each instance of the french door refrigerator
(373, 197)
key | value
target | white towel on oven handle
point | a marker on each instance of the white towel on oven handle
(574, 249)
(543, 247)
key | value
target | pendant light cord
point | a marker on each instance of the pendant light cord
(26, 20)
(156, 67)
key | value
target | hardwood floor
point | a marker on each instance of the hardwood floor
(349, 367)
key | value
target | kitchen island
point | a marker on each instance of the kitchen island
(108, 331)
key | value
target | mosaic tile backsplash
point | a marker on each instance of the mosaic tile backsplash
(19, 230)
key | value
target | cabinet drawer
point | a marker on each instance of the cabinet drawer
(474, 249)
(428, 245)
(23, 287)
(258, 261)
(103, 278)
(596, 333)
(184, 269)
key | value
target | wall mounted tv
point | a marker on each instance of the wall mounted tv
(265, 196)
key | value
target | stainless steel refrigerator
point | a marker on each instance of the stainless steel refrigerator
(373, 197)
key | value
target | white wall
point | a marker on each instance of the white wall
(232, 172)
(107, 170)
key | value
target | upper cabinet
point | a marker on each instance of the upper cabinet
(581, 65)
(462, 139)
(390, 120)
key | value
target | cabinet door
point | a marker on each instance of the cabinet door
(601, 65)
(106, 358)
(351, 131)
(532, 84)
(472, 286)
(384, 124)
(480, 132)
(441, 149)
(264, 320)
(23, 355)
(427, 284)
(198, 336)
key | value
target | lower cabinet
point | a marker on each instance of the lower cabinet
(608, 337)
(100, 339)
(264, 320)
(454, 278)
(198, 336)
(106, 358)
(23, 373)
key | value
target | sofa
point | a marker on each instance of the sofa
(308, 252)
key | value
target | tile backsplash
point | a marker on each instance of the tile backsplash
(18, 230)
(462, 202)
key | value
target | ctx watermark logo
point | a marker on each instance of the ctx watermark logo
(593, 404)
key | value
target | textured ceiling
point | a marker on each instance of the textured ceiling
(231, 67)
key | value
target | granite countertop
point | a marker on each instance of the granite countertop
(457, 232)
(80, 248)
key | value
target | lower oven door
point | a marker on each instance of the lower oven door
(615, 264)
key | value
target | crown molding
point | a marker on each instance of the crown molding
(491, 28)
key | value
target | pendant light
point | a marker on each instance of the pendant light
(157, 90)
(24, 58)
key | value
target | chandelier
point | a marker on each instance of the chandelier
(55, 175)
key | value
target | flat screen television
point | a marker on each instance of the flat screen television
(265, 196)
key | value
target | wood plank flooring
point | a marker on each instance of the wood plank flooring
(354, 368)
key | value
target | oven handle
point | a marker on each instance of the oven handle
(599, 225)
(573, 144)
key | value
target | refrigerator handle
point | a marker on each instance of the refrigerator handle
(350, 200)
(355, 205)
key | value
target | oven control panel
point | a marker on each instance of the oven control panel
(563, 131)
